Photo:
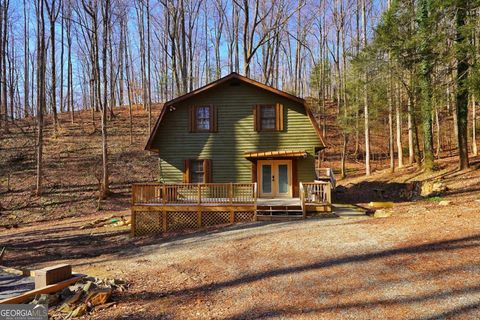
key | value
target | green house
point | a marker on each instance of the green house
(238, 130)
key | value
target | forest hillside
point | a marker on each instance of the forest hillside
(72, 166)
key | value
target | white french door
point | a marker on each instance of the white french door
(275, 178)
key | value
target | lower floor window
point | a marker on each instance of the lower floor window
(197, 171)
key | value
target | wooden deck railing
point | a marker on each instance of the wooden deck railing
(158, 208)
(194, 194)
(315, 193)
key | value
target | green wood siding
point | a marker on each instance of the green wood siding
(235, 135)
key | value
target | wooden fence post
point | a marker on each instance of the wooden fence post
(230, 200)
(164, 209)
(329, 196)
(199, 207)
(199, 194)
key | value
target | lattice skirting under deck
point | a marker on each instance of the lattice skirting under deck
(156, 222)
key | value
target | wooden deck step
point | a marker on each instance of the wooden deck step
(277, 210)
(289, 208)
(261, 217)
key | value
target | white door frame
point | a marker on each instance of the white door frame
(274, 178)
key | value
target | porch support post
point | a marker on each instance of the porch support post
(295, 185)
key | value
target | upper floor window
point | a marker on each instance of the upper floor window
(203, 118)
(268, 117)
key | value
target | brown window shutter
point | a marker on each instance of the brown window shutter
(256, 118)
(207, 169)
(279, 117)
(191, 119)
(186, 171)
(213, 119)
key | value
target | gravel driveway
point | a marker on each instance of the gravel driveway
(420, 265)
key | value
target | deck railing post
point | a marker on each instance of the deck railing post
(230, 192)
(255, 201)
(164, 194)
(302, 200)
(199, 200)
(329, 196)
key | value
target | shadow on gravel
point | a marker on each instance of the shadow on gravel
(442, 246)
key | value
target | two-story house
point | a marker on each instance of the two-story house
(238, 130)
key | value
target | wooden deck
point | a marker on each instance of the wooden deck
(158, 208)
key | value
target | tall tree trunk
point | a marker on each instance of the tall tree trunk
(390, 120)
(438, 135)
(41, 66)
(398, 114)
(62, 51)
(112, 72)
(11, 74)
(149, 68)
(26, 85)
(68, 26)
(207, 48)
(411, 155)
(236, 32)
(121, 53)
(390, 108)
(183, 47)
(462, 90)
(425, 82)
(4, 31)
(365, 95)
(127, 72)
(474, 126)
(106, 23)
(52, 17)
(141, 37)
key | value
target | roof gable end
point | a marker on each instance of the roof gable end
(214, 84)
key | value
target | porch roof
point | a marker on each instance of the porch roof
(276, 154)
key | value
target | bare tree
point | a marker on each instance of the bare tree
(253, 16)
(10, 50)
(127, 72)
(139, 7)
(26, 72)
(365, 95)
(68, 26)
(41, 99)
(4, 5)
(53, 10)
(106, 27)
(62, 52)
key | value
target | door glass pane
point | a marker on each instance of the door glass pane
(266, 178)
(283, 178)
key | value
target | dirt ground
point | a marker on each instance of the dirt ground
(424, 266)
(423, 262)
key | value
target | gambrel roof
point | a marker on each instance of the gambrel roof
(238, 77)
